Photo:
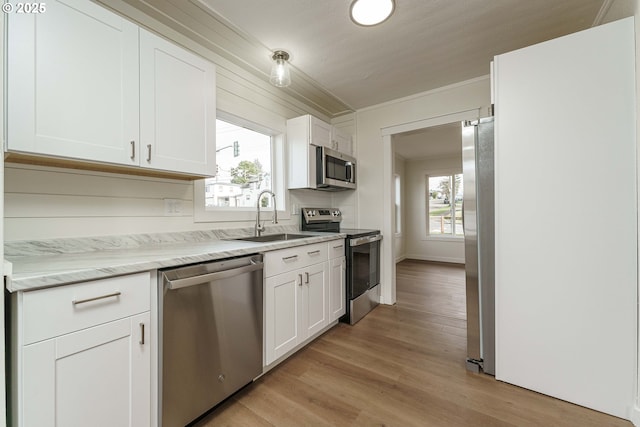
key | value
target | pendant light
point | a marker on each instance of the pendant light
(371, 12)
(280, 75)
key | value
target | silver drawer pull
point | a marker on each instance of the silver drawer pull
(148, 152)
(82, 301)
(133, 150)
(141, 333)
(300, 277)
(290, 258)
(313, 253)
(307, 277)
(338, 247)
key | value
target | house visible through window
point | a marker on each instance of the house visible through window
(444, 200)
(243, 168)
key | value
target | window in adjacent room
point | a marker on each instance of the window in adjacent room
(444, 204)
(398, 201)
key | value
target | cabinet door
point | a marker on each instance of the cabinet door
(341, 141)
(73, 83)
(313, 310)
(98, 376)
(319, 133)
(337, 297)
(282, 331)
(177, 108)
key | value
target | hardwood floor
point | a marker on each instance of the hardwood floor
(402, 365)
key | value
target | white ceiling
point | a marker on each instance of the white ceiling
(426, 44)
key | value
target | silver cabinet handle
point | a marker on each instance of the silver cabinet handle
(142, 333)
(148, 152)
(300, 277)
(290, 258)
(82, 301)
(338, 247)
(133, 150)
(312, 253)
(306, 277)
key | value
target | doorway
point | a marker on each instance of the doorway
(390, 137)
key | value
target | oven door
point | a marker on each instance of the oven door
(363, 265)
(334, 170)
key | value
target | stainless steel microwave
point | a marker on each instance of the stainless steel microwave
(334, 170)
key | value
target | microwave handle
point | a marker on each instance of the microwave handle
(350, 173)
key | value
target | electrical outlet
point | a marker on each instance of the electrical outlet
(172, 207)
(294, 209)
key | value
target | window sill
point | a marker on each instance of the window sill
(444, 238)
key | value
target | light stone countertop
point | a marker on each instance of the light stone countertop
(56, 262)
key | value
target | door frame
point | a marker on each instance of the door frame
(388, 259)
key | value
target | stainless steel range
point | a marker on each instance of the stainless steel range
(362, 251)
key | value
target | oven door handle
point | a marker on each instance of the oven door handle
(364, 240)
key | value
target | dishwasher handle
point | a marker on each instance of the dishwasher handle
(204, 278)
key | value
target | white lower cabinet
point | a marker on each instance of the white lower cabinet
(98, 375)
(337, 287)
(295, 308)
(303, 292)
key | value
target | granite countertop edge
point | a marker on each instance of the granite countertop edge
(39, 269)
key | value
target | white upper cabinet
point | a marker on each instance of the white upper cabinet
(73, 83)
(311, 130)
(177, 108)
(341, 141)
(319, 132)
(86, 84)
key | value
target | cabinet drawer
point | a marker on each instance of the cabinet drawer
(48, 313)
(336, 249)
(281, 261)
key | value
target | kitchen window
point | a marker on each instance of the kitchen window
(444, 205)
(249, 160)
(243, 168)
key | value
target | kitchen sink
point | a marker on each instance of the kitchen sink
(272, 237)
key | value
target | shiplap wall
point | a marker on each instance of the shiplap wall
(43, 202)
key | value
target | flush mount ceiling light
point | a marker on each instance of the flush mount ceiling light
(371, 12)
(280, 75)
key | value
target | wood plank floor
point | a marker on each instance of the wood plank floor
(402, 365)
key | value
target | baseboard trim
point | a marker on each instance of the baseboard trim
(635, 416)
(421, 257)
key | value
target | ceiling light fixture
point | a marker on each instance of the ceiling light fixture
(280, 75)
(371, 12)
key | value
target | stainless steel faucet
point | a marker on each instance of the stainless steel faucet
(259, 227)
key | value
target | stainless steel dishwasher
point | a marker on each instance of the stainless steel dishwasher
(210, 335)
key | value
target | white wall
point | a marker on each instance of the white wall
(635, 414)
(375, 179)
(419, 245)
(52, 202)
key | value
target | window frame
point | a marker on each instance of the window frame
(397, 181)
(201, 213)
(442, 237)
